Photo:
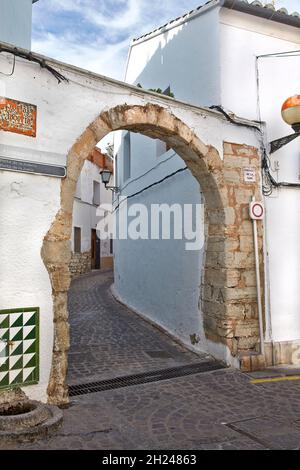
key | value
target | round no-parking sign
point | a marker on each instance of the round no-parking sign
(257, 211)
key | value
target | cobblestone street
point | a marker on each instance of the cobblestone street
(108, 340)
(218, 410)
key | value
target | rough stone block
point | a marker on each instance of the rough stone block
(232, 176)
(60, 277)
(60, 301)
(56, 251)
(61, 336)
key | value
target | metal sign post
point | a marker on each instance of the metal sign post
(257, 212)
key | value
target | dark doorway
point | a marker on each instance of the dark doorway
(96, 251)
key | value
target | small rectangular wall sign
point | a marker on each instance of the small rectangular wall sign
(18, 117)
(249, 175)
(19, 347)
(24, 166)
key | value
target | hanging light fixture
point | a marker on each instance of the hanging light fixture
(290, 112)
(105, 178)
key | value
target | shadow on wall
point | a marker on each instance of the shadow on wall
(161, 279)
(186, 58)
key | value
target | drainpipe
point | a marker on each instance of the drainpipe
(258, 286)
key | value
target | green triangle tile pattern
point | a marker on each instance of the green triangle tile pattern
(5, 366)
(31, 321)
(31, 375)
(32, 334)
(31, 349)
(4, 322)
(31, 363)
(3, 350)
(18, 380)
(18, 364)
(19, 352)
(18, 336)
(4, 380)
(17, 321)
(4, 334)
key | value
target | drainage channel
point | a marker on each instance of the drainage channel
(144, 378)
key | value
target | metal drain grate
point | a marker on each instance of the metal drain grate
(146, 377)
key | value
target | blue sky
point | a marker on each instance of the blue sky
(95, 34)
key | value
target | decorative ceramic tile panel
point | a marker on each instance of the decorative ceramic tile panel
(17, 117)
(19, 347)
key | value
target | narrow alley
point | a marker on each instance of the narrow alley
(108, 340)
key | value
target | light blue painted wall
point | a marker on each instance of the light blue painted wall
(211, 60)
(187, 58)
(16, 22)
(160, 279)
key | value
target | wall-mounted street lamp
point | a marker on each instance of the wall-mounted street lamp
(290, 112)
(105, 178)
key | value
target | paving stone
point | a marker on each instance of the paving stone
(220, 410)
(205, 411)
(108, 340)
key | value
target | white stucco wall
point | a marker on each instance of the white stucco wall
(15, 22)
(28, 207)
(28, 204)
(166, 59)
(85, 211)
(186, 58)
(244, 37)
(221, 46)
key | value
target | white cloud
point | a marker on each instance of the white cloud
(290, 5)
(98, 57)
(121, 20)
(118, 21)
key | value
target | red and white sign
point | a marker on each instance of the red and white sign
(18, 117)
(257, 211)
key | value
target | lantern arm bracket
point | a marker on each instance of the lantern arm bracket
(279, 143)
(115, 189)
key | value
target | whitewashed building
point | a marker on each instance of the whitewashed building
(52, 115)
(237, 55)
(15, 22)
(89, 252)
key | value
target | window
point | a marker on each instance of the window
(96, 193)
(127, 158)
(77, 239)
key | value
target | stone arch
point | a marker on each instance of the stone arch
(221, 272)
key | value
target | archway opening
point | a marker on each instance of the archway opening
(206, 167)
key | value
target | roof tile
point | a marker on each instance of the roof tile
(255, 7)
